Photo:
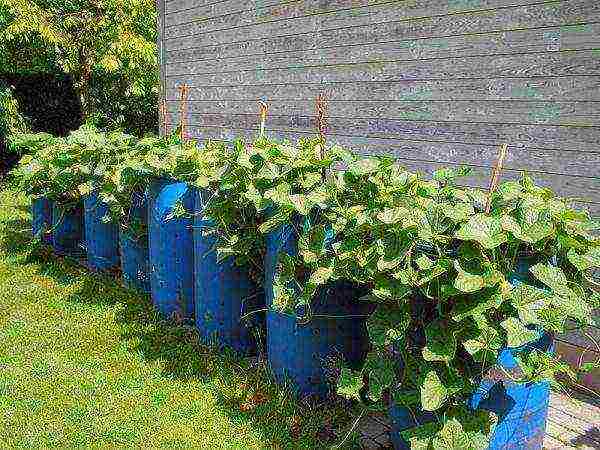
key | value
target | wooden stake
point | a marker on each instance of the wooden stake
(321, 120)
(264, 109)
(495, 179)
(164, 116)
(184, 91)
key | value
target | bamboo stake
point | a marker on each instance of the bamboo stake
(264, 109)
(184, 91)
(495, 179)
(321, 120)
(164, 116)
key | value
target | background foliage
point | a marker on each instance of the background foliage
(106, 47)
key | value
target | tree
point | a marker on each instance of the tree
(91, 40)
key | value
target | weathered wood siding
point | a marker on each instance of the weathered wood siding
(434, 82)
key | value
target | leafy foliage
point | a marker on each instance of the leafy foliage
(444, 277)
(449, 283)
(11, 120)
(107, 46)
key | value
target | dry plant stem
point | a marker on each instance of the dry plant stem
(264, 109)
(321, 108)
(321, 121)
(163, 116)
(183, 99)
(352, 428)
(496, 176)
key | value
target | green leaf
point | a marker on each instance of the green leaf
(511, 225)
(441, 343)
(459, 212)
(424, 263)
(509, 190)
(467, 282)
(317, 196)
(550, 275)
(539, 366)
(364, 166)
(274, 221)
(384, 265)
(452, 437)
(444, 174)
(589, 367)
(550, 318)
(381, 369)
(391, 216)
(485, 343)
(280, 195)
(594, 300)
(252, 194)
(85, 189)
(554, 278)
(300, 203)
(350, 383)
(388, 324)
(474, 306)
(433, 393)
(517, 334)
(529, 301)
(309, 180)
(321, 276)
(408, 399)
(537, 231)
(483, 229)
(585, 261)
(421, 437)
(428, 275)
(386, 288)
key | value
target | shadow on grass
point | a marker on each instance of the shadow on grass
(17, 244)
(17, 238)
(243, 387)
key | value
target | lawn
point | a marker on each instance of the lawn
(84, 361)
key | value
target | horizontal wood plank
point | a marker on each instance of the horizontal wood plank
(563, 63)
(577, 37)
(353, 29)
(234, 13)
(574, 88)
(531, 137)
(230, 15)
(382, 114)
(188, 7)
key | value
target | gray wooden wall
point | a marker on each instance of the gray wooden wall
(436, 83)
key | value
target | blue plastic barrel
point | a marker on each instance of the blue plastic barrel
(224, 293)
(522, 408)
(101, 238)
(67, 228)
(41, 218)
(302, 352)
(171, 247)
(134, 248)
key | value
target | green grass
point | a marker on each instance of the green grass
(84, 361)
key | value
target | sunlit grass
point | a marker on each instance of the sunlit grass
(85, 362)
